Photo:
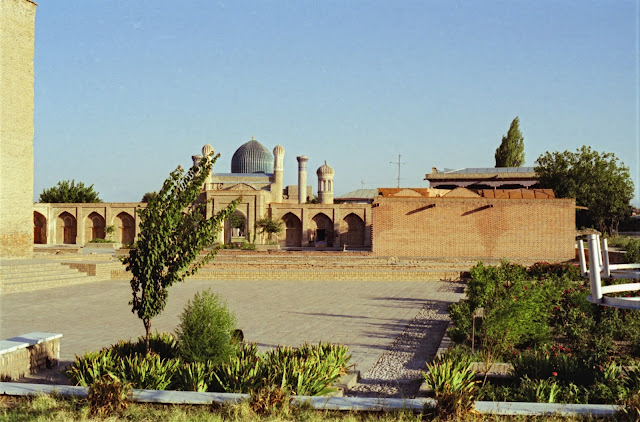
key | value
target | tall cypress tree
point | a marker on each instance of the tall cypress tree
(510, 153)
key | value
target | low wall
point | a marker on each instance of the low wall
(26, 354)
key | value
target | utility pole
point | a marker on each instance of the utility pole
(399, 163)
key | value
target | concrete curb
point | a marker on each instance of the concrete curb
(324, 403)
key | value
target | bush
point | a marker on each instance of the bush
(205, 330)
(453, 383)
(633, 251)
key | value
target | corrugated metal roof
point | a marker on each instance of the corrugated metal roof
(480, 170)
(360, 194)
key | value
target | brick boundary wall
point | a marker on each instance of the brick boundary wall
(514, 229)
(26, 354)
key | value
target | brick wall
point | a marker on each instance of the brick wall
(539, 229)
(17, 23)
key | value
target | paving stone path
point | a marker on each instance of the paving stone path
(366, 316)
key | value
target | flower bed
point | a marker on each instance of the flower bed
(563, 349)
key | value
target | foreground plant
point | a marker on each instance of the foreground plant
(453, 382)
(205, 329)
(173, 233)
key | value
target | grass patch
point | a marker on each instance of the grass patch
(56, 408)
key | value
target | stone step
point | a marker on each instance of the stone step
(27, 286)
(57, 275)
(18, 270)
(28, 275)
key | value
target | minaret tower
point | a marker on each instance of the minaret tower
(302, 178)
(325, 184)
(278, 173)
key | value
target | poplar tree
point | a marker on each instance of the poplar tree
(510, 153)
(173, 233)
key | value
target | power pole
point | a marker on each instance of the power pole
(399, 163)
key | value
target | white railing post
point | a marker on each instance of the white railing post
(605, 259)
(594, 272)
(583, 259)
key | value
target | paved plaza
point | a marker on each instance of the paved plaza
(366, 316)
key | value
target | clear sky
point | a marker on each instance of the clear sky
(127, 90)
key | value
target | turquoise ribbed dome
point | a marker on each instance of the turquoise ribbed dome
(252, 157)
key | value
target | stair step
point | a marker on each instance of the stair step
(40, 285)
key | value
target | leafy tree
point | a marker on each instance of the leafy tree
(68, 191)
(237, 221)
(598, 181)
(269, 226)
(173, 232)
(147, 197)
(510, 153)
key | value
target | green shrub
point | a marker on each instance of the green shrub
(91, 367)
(98, 240)
(243, 372)
(545, 271)
(305, 371)
(460, 314)
(453, 383)
(557, 363)
(205, 329)
(160, 343)
(540, 390)
(197, 376)
(149, 372)
(517, 318)
(633, 251)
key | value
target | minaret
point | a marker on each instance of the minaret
(325, 184)
(278, 174)
(302, 178)
(208, 152)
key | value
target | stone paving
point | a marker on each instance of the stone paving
(366, 316)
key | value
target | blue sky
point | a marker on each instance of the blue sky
(127, 90)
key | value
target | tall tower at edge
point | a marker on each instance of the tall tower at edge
(278, 173)
(17, 37)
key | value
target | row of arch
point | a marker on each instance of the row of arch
(321, 228)
(352, 230)
(66, 228)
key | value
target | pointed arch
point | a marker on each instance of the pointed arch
(94, 226)
(352, 230)
(66, 229)
(235, 227)
(125, 228)
(293, 230)
(321, 229)
(39, 228)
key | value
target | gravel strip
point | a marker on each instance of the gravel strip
(398, 372)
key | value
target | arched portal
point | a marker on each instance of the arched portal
(94, 227)
(352, 230)
(39, 228)
(293, 230)
(321, 229)
(235, 228)
(66, 229)
(125, 228)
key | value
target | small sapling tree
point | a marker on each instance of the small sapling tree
(270, 227)
(173, 233)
